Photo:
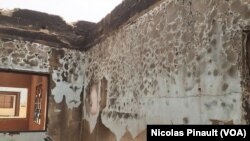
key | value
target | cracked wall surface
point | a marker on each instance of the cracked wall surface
(64, 65)
(179, 63)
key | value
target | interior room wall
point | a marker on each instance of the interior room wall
(178, 63)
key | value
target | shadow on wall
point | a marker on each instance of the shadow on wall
(96, 98)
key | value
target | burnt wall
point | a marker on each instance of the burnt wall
(179, 63)
(64, 65)
(246, 74)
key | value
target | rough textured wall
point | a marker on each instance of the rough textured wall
(66, 86)
(246, 74)
(179, 63)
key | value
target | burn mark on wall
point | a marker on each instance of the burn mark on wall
(92, 89)
(56, 55)
(120, 115)
(74, 88)
(224, 87)
(104, 91)
(48, 139)
(185, 120)
(96, 96)
(246, 75)
(232, 71)
(13, 133)
(63, 125)
(100, 132)
(219, 122)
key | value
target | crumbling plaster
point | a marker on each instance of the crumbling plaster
(179, 63)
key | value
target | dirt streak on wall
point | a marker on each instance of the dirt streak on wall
(179, 63)
(64, 65)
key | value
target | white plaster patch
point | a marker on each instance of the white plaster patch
(63, 89)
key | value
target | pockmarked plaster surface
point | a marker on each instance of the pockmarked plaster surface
(66, 84)
(179, 63)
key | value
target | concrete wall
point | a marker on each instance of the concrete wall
(179, 63)
(64, 65)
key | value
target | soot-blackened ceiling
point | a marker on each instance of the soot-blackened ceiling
(42, 27)
(54, 31)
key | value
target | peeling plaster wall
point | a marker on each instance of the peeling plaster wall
(179, 63)
(64, 65)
